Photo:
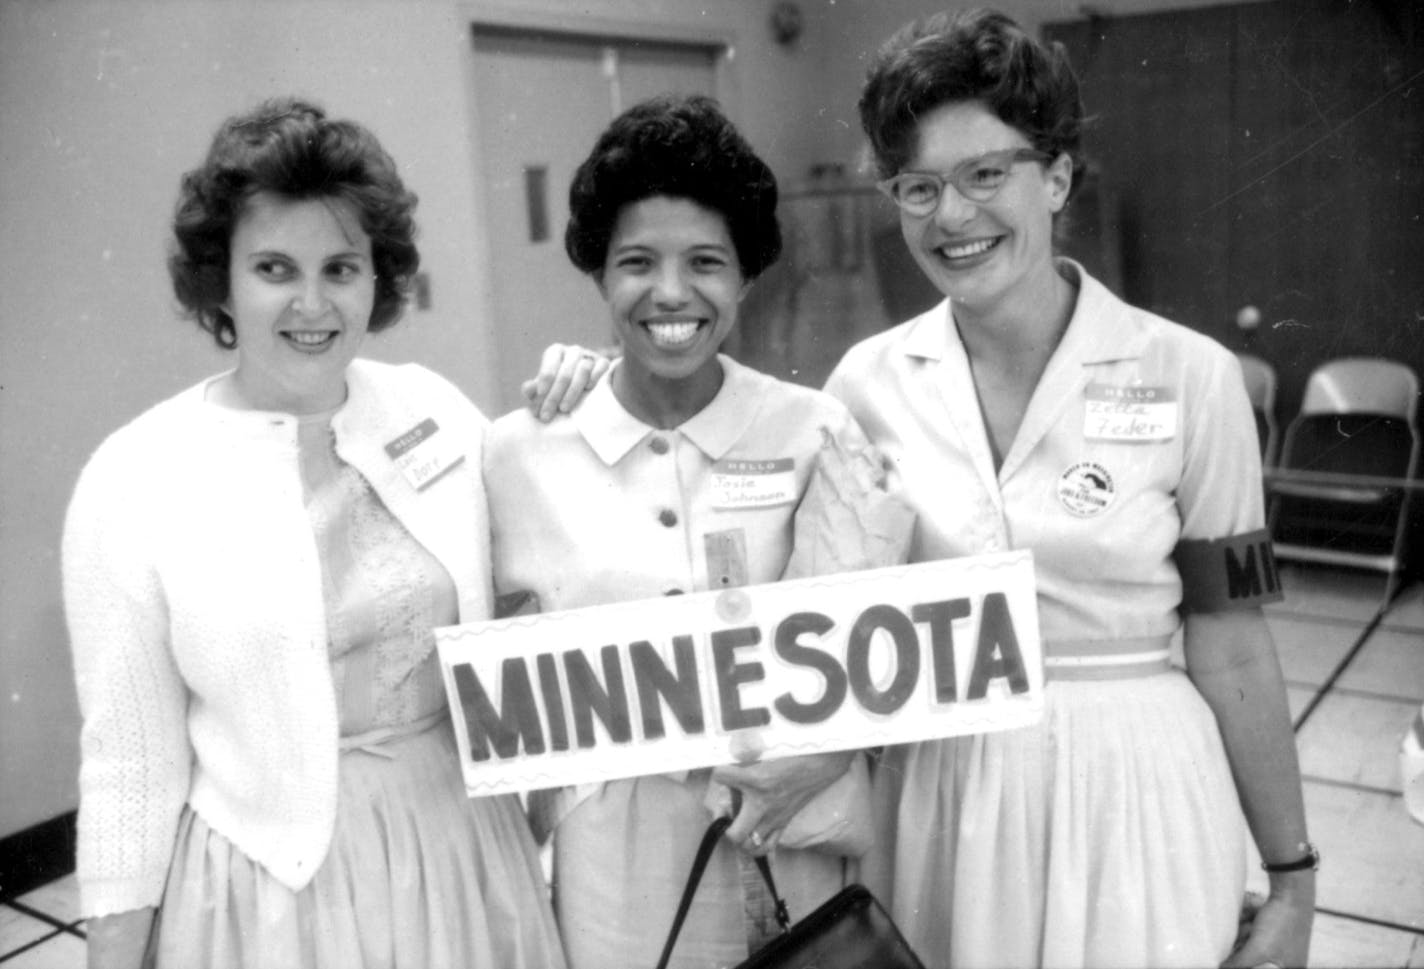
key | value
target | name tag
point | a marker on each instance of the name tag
(422, 454)
(1129, 413)
(753, 484)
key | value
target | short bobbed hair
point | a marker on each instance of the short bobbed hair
(680, 146)
(290, 148)
(973, 55)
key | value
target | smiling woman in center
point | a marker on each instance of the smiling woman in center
(672, 282)
(680, 473)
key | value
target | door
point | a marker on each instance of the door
(542, 99)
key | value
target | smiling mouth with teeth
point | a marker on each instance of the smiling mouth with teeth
(968, 249)
(673, 334)
(310, 338)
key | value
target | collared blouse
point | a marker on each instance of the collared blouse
(1138, 436)
(599, 507)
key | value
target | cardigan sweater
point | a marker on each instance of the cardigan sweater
(193, 593)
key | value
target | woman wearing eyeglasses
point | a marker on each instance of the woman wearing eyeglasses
(1034, 409)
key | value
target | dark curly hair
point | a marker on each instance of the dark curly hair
(289, 147)
(973, 55)
(682, 147)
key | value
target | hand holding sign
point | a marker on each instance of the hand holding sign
(851, 517)
(775, 791)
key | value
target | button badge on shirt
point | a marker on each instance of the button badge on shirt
(422, 454)
(726, 553)
(1128, 413)
(1086, 489)
(739, 484)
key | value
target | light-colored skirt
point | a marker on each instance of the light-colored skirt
(621, 859)
(1109, 835)
(418, 875)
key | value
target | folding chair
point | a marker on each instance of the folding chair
(1341, 491)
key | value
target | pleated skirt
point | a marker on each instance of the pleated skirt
(1109, 835)
(621, 859)
(418, 876)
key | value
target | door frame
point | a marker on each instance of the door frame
(474, 15)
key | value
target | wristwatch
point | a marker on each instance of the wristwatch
(1311, 859)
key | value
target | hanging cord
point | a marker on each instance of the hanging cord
(699, 864)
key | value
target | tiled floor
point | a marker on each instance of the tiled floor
(42, 930)
(1356, 707)
(1371, 889)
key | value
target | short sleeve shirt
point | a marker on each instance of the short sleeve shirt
(1139, 435)
(598, 507)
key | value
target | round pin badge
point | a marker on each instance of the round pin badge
(1086, 489)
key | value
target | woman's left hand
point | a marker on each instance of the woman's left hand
(1279, 934)
(773, 791)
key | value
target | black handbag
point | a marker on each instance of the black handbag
(850, 930)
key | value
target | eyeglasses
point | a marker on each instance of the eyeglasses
(978, 180)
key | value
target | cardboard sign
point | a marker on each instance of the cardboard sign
(829, 663)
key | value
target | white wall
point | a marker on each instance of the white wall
(102, 107)
(104, 104)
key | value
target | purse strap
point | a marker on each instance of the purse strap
(694, 877)
(783, 917)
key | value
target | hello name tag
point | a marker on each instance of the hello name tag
(422, 454)
(1129, 413)
(753, 484)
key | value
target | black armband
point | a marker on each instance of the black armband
(1227, 573)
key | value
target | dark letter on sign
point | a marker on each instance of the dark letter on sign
(486, 726)
(588, 697)
(941, 616)
(553, 701)
(654, 679)
(793, 652)
(731, 674)
(907, 659)
(996, 635)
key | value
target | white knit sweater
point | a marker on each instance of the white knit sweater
(193, 594)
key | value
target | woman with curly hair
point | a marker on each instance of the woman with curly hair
(634, 495)
(252, 573)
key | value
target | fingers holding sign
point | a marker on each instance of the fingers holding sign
(772, 792)
(852, 516)
(567, 372)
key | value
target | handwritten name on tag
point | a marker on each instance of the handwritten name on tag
(1129, 413)
(423, 455)
(740, 484)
